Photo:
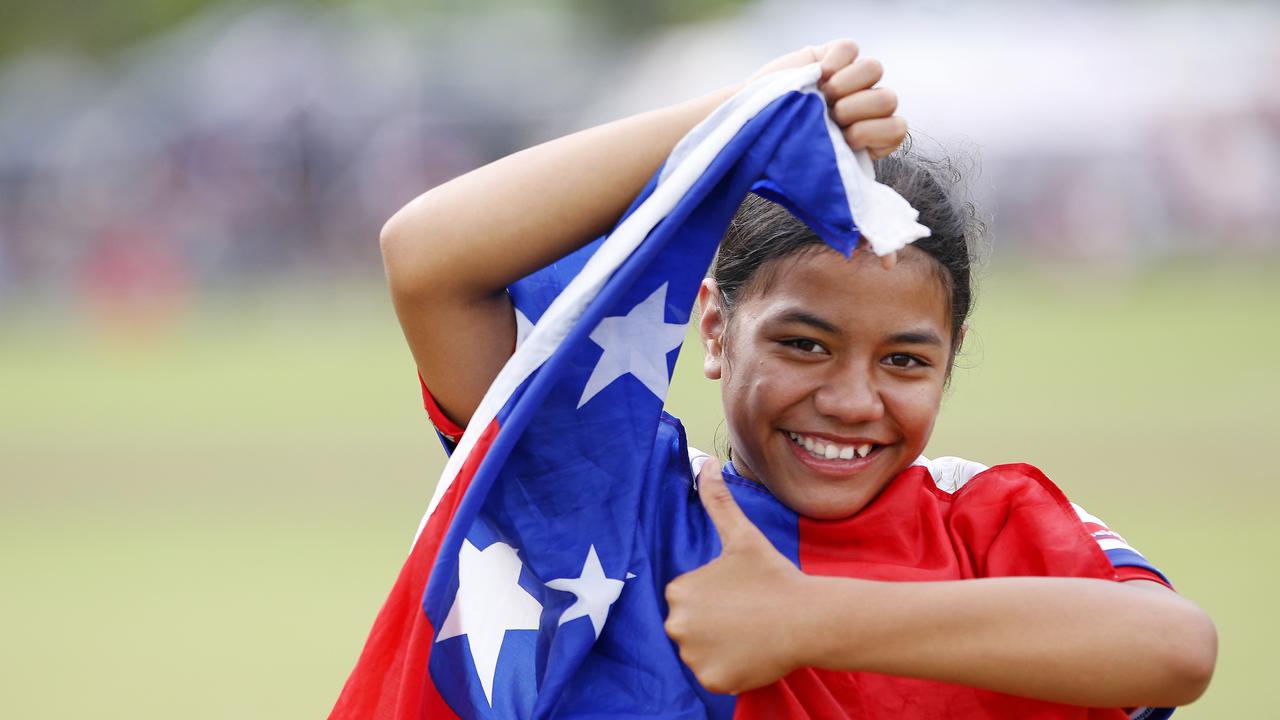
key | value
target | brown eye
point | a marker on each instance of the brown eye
(903, 360)
(804, 344)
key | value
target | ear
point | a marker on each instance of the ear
(711, 324)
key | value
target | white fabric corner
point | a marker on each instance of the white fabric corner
(950, 473)
(697, 459)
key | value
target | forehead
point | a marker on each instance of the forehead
(851, 291)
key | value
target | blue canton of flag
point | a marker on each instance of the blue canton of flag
(542, 595)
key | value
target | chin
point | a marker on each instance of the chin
(817, 490)
(826, 508)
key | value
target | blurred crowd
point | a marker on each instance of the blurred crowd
(251, 145)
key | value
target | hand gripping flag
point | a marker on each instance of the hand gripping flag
(530, 544)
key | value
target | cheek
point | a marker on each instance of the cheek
(764, 386)
(757, 391)
(915, 408)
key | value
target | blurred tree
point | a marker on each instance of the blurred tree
(637, 17)
(99, 28)
(92, 28)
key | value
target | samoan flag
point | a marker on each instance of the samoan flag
(531, 536)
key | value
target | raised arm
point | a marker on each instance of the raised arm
(1078, 641)
(451, 252)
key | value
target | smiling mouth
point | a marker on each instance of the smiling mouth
(820, 449)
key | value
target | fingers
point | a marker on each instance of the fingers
(852, 77)
(863, 111)
(886, 261)
(835, 56)
(732, 524)
(864, 105)
(879, 136)
(798, 58)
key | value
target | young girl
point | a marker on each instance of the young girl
(832, 372)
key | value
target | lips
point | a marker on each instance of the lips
(825, 456)
(829, 449)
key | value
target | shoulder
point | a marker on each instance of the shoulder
(999, 489)
(957, 477)
(1005, 488)
(950, 474)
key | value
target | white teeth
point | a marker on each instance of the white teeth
(830, 451)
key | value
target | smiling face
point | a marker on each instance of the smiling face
(831, 372)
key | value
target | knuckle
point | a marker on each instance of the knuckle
(874, 68)
(714, 682)
(844, 111)
(888, 100)
(674, 591)
(856, 135)
(719, 494)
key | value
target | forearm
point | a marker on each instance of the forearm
(482, 231)
(1077, 641)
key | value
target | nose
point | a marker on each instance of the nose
(850, 395)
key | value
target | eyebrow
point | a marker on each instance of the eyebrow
(804, 318)
(916, 337)
(909, 337)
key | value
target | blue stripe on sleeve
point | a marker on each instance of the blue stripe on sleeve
(1123, 557)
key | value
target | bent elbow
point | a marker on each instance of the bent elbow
(394, 237)
(389, 236)
(405, 244)
(1191, 659)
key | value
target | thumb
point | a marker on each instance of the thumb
(734, 526)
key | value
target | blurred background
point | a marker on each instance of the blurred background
(212, 450)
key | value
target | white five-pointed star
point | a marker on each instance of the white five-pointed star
(637, 344)
(595, 591)
(489, 602)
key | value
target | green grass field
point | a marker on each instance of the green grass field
(203, 524)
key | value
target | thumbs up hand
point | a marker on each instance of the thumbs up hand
(736, 619)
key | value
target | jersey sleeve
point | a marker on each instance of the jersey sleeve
(1128, 562)
(449, 431)
(950, 474)
(1033, 513)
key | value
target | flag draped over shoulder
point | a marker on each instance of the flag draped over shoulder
(531, 538)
